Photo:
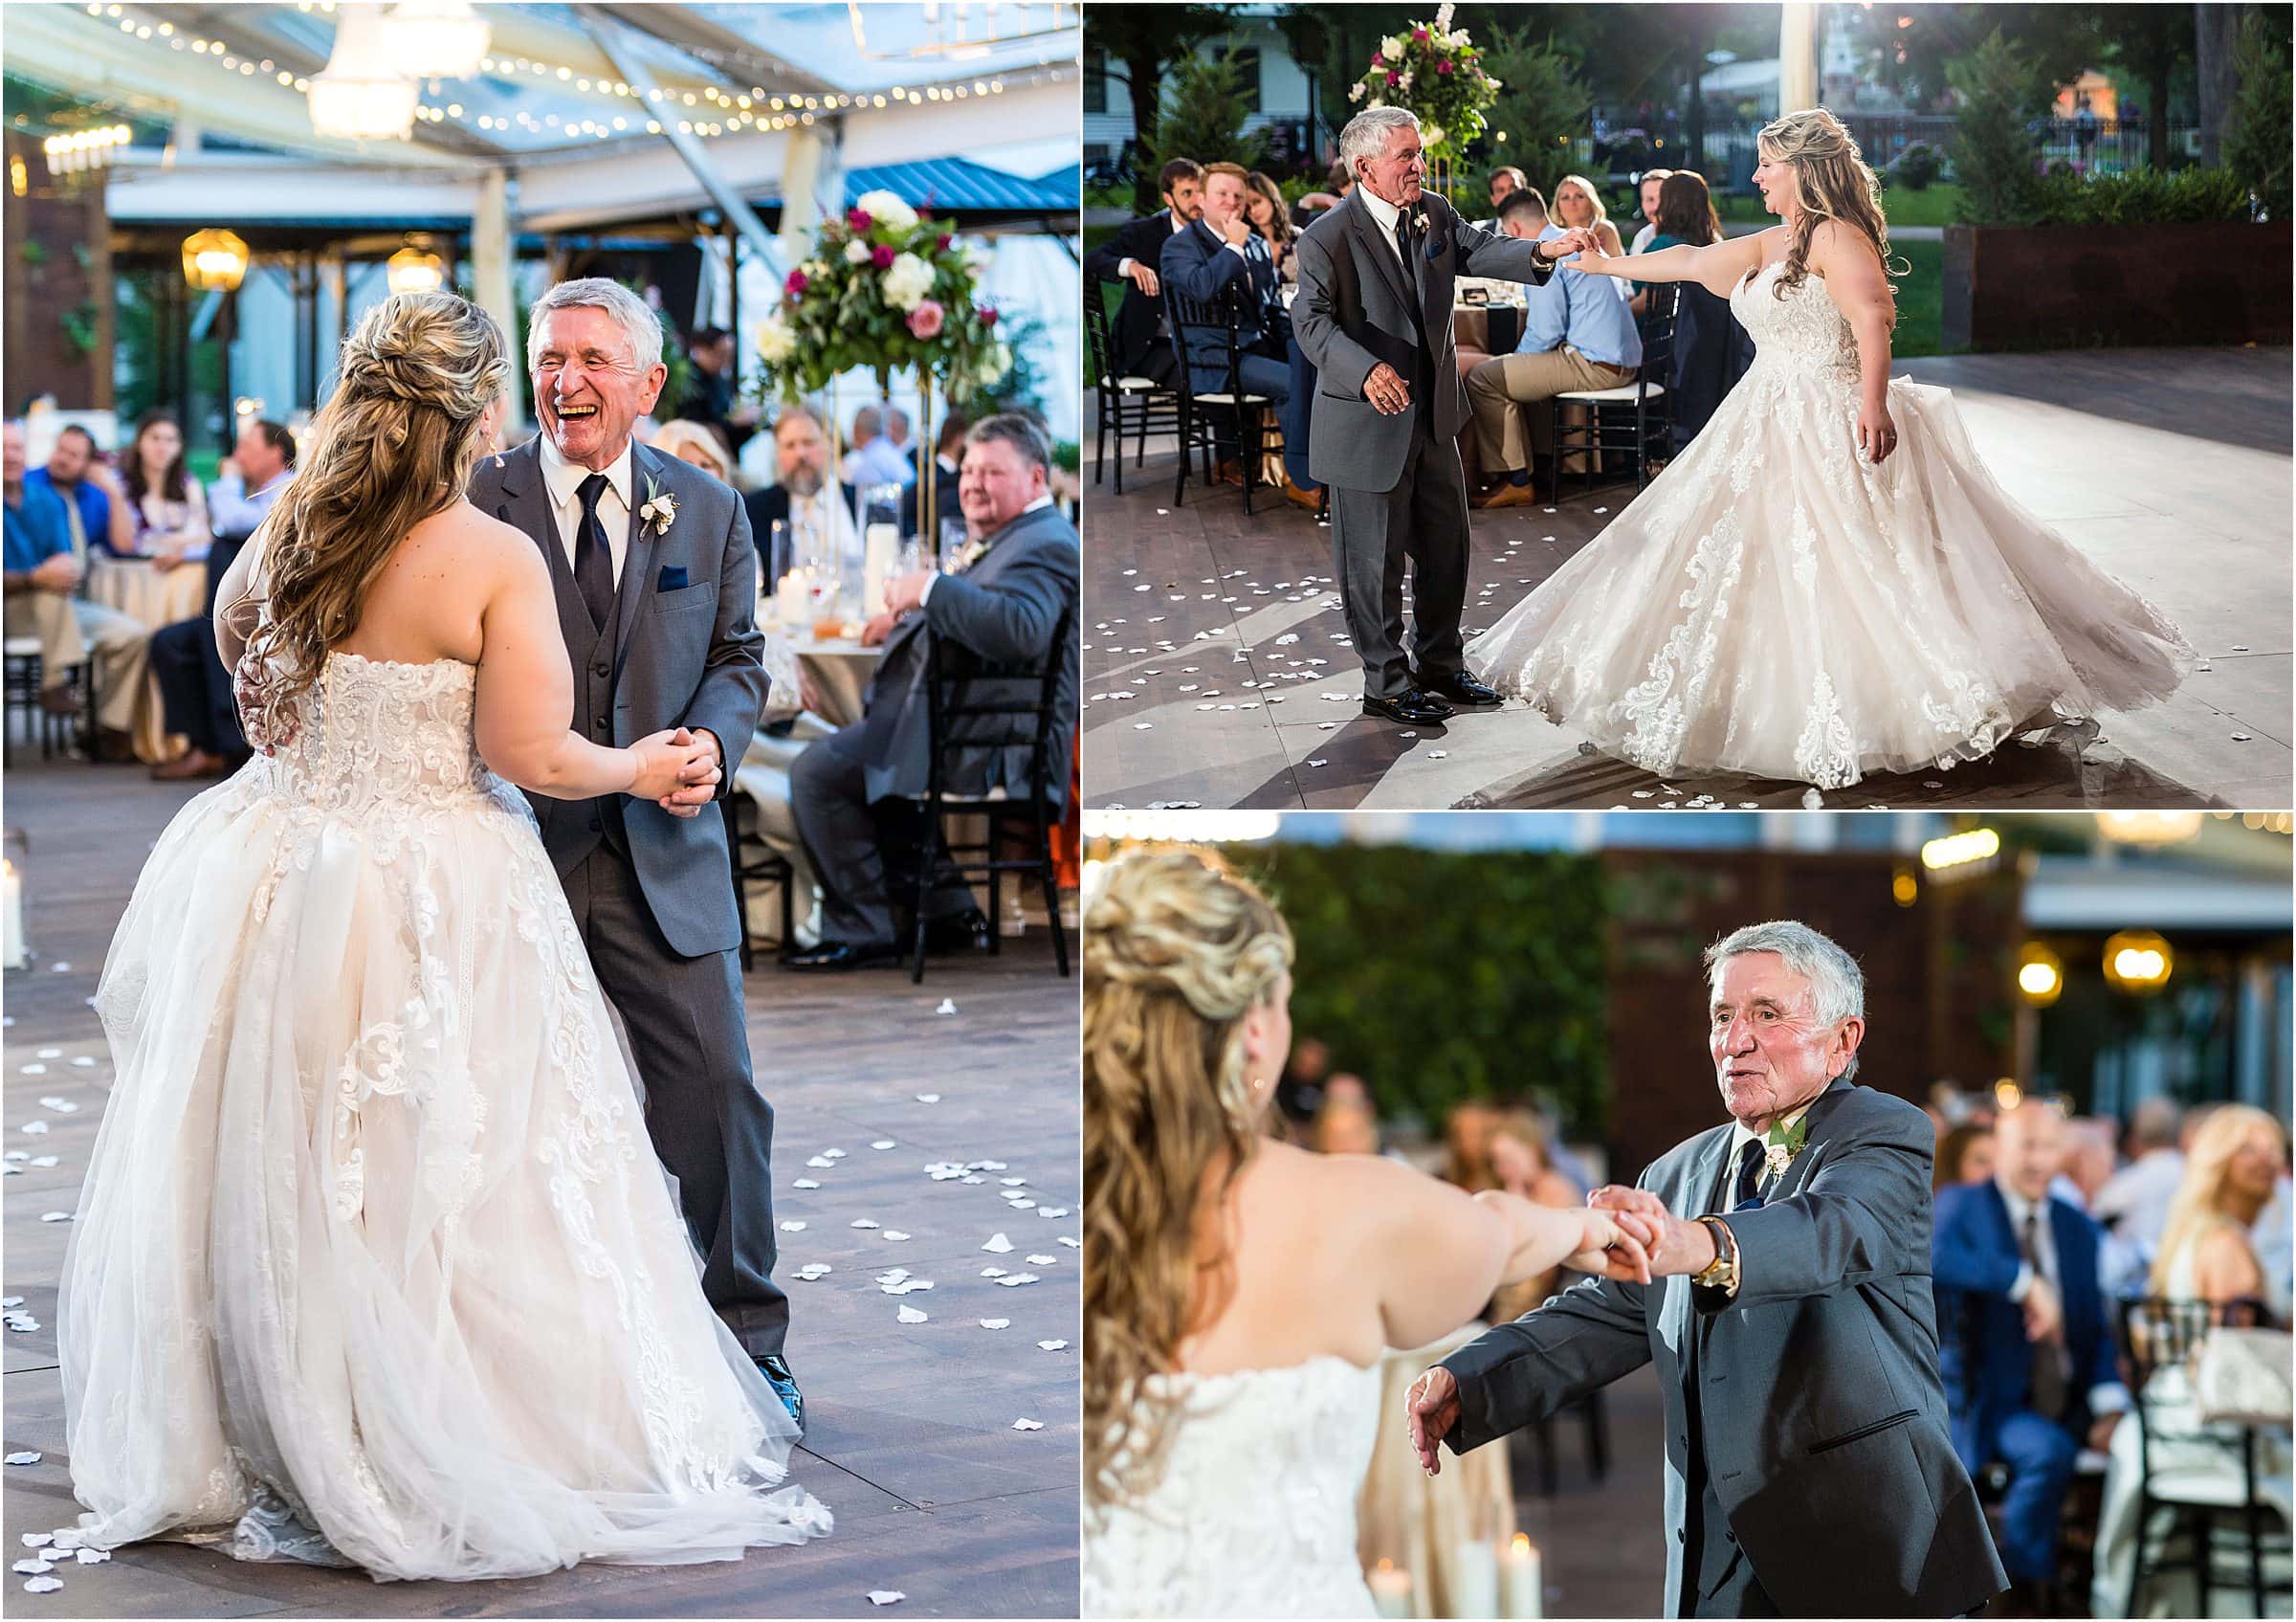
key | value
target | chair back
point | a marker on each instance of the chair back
(1220, 321)
(974, 706)
(2158, 1332)
(1658, 331)
(1099, 337)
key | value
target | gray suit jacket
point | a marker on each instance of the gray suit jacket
(1354, 310)
(1002, 612)
(1818, 1405)
(688, 655)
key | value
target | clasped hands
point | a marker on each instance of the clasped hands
(678, 769)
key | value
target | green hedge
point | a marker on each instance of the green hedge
(2190, 196)
(1442, 976)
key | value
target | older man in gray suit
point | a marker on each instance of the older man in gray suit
(1000, 607)
(1809, 1468)
(1374, 315)
(656, 582)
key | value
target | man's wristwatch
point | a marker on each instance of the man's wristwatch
(1721, 1273)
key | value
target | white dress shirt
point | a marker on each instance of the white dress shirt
(1178, 225)
(563, 479)
(2106, 1396)
(1384, 214)
(1740, 1135)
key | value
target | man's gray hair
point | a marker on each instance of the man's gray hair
(634, 316)
(1837, 985)
(1366, 133)
(798, 411)
(1017, 431)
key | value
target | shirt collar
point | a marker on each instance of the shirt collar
(1179, 224)
(1384, 213)
(1740, 1135)
(2019, 1206)
(1037, 505)
(564, 477)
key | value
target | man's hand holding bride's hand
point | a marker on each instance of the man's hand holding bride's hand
(1589, 259)
(1676, 1246)
(1432, 1410)
(672, 764)
(1615, 1245)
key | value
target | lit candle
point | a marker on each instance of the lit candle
(1525, 1596)
(1476, 1580)
(881, 548)
(1391, 1590)
(12, 917)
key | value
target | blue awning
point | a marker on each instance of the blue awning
(958, 186)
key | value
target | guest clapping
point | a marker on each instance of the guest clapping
(1001, 608)
(165, 505)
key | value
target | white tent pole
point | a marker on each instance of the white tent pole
(492, 249)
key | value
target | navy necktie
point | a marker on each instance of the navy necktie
(593, 560)
(1750, 1176)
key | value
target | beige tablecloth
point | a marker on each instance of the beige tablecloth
(153, 598)
(840, 673)
(1417, 1520)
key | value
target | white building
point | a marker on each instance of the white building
(1281, 93)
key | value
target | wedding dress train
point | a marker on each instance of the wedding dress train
(1773, 606)
(374, 1263)
(1255, 1514)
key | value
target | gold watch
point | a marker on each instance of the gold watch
(1721, 1273)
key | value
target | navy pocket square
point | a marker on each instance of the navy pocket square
(672, 579)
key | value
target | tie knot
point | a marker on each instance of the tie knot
(591, 489)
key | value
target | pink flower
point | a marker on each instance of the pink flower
(925, 322)
(796, 283)
(858, 219)
(882, 257)
(988, 316)
(1420, 35)
(940, 244)
(1395, 78)
(1377, 60)
(1443, 67)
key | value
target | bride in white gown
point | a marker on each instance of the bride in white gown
(1238, 1291)
(1829, 583)
(374, 1264)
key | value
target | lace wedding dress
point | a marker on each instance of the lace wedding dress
(1773, 606)
(374, 1264)
(1255, 1514)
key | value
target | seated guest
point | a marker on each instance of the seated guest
(1521, 1160)
(1964, 1155)
(97, 518)
(42, 573)
(1265, 211)
(897, 435)
(2026, 1348)
(1646, 194)
(948, 461)
(1220, 259)
(873, 459)
(2207, 1256)
(2133, 1204)
(195, 689)
(1711, 350)
(165, 505)
(1693, 219)
(710, 396)
(696, 444)
(1579, 207)
(1135, 255)
(1503, 183)
(1576, 334)
(1525, 217)
(1336, 184)
(799, 497)
(851, 790)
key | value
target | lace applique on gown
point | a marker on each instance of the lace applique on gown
(374, 1263)
(1774, 606)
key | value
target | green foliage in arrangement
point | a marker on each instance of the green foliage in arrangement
(1442, 976)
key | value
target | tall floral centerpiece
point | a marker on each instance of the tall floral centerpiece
(1432, 70)
(888, 290)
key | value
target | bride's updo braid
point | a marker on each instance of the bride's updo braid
(1831, 182)
(1176, 951)
(394, 445)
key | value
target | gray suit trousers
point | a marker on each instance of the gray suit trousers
(711, 1126)
(1423, 519)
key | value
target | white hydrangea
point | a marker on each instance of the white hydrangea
(906, 282)
(1430, 134)
(856, 252)
(1443, 15)
(1392, 47)
(1355, 92)
(886, 208)
(993, 363)
(776, 343)
(1404, 82)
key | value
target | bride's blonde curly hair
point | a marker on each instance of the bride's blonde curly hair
(394, 445)
(1832, 180)
(1176, 951)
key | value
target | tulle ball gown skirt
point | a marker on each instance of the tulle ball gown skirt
(374, 1264)
(1773, 605)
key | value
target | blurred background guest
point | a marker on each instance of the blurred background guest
(1345, 1125)
(1299, 1089)
(940, 476)
(1466, 1140)
(2133, 1204)
(1505, 181)
(99, 518)
(799, 498)
(1579, 205)
(696, 444)
(1964, 1155)
(710, 395)
(1711, 349)
(1646, 194)
(94, 506)
(1521, 1164)
(1263, 207)
(873, 458)
(165, 505)
(42, 574)
(1134, 257)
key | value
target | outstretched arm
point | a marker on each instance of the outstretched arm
(1717, 267)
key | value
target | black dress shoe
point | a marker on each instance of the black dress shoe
(1460, 689)
(1415, 708)
(960, 932)
(776, 1370)
(842, 954)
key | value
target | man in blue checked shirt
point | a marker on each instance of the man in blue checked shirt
(1577, 333)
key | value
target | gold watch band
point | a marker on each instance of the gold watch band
(1721, 1273)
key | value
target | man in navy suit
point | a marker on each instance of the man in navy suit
(1221, 257)
(2028, 1348)
(1136, 256)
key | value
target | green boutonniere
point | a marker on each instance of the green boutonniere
(1785, 1143)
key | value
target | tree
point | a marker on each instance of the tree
(2215, 29)
(2256, 135)
(2150, 41)
(2058, 41)
(1202, 116)
(1140, 40)
(1542, 106)
(1993, 137)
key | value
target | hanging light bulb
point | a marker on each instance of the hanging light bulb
(214, 260)
(360, 95)
(436, 38)
(414, 269)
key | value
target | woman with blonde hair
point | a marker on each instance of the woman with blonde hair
(696, 444)
(1579, 207)
(1799, 595)
(2205, 1250)
(373, 1264)
(1238, 1292)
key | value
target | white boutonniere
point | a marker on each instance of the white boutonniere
(1777, 1160)
(1419, 221)
(661, 507)
(972, 554)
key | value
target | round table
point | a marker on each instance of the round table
(840, 673)
(1419, 1521)
(152, 597)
